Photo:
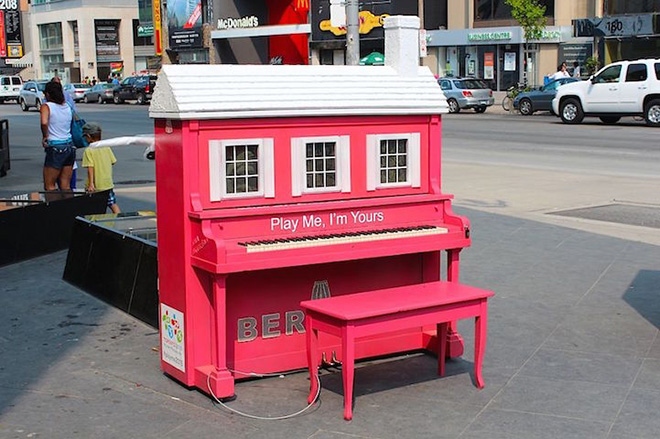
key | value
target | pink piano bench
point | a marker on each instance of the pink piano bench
(375, 312)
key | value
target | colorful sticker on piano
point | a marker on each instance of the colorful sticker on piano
(173, 350)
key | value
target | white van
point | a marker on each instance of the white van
(10, 87)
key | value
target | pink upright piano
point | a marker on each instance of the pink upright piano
(277, 184)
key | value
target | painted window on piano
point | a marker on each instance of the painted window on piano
(393, 160)
(320, 164)
(241, 168)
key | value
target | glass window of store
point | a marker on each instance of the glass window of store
(486, 56)
(76, 41)
(485, 10)
(50, 43)
(615, 7)
(50, 36)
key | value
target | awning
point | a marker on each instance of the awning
(25, 61)
(262, 31)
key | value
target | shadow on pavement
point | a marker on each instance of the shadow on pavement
(643, 295)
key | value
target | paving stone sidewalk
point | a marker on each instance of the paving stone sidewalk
(573, 352)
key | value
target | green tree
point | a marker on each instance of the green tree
(530, 15)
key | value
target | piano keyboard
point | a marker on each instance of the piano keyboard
(341, 238)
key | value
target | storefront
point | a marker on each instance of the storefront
(499, 54)
(260, 32)
(622, 36)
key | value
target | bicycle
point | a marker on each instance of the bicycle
(511, 93)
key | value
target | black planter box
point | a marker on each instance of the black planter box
(38, 223)
(114, 257)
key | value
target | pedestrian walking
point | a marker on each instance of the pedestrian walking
(99, 162)
(577, 71)
(562, 72)
(56, 118)
(71, 103)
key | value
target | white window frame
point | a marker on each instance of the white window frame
(299, 169)
(413, 160)
(217, 166)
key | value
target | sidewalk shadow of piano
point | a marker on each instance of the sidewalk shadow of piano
(643, 295)
(394, 373)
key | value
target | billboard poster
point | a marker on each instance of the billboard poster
(3, 42)
(509, 61)
(184, 23)
(489, 65)
(117, 68)
(158, 30)
(107, 40)
(10, 30)
(372, 14)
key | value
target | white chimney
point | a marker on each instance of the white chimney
(402, 44)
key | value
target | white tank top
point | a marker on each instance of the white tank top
(59, 122)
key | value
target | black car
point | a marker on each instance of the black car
(100, 93)
(137, 88)
(539, 99)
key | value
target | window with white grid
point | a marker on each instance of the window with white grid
(320, 164)
(393, 160)
(241, 168)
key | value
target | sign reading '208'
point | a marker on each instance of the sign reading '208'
(8, 4)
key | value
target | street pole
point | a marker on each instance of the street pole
(352, 33)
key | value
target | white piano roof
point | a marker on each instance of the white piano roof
(254, 91)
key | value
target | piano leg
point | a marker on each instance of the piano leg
(454, 340)
(217, 378)
(312, 336)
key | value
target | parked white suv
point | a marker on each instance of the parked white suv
(10, 87)
(625, 88)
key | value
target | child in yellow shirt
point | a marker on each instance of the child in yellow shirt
(98, 162)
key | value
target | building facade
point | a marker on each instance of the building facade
(626, 30)
(74, 39)
(483, 40)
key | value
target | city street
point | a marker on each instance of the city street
(492, 160)
(627, 149)
(565, 228)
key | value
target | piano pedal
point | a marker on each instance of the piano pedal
(334, 361)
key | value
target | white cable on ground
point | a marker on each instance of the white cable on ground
(264, 418)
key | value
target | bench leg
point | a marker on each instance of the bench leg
(480, 330)
(347, 369)
(455, 343)
(312, 358)
(441, 335)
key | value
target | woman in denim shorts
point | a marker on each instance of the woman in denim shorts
(56, 118)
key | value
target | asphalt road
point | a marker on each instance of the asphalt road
(542, 141)
(628, 148)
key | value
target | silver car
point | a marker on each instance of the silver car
(465, 93)
(76, 91)
(32, 95)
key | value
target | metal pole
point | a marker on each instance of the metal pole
(352, 33)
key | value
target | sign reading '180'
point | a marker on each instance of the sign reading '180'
(312, 221)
